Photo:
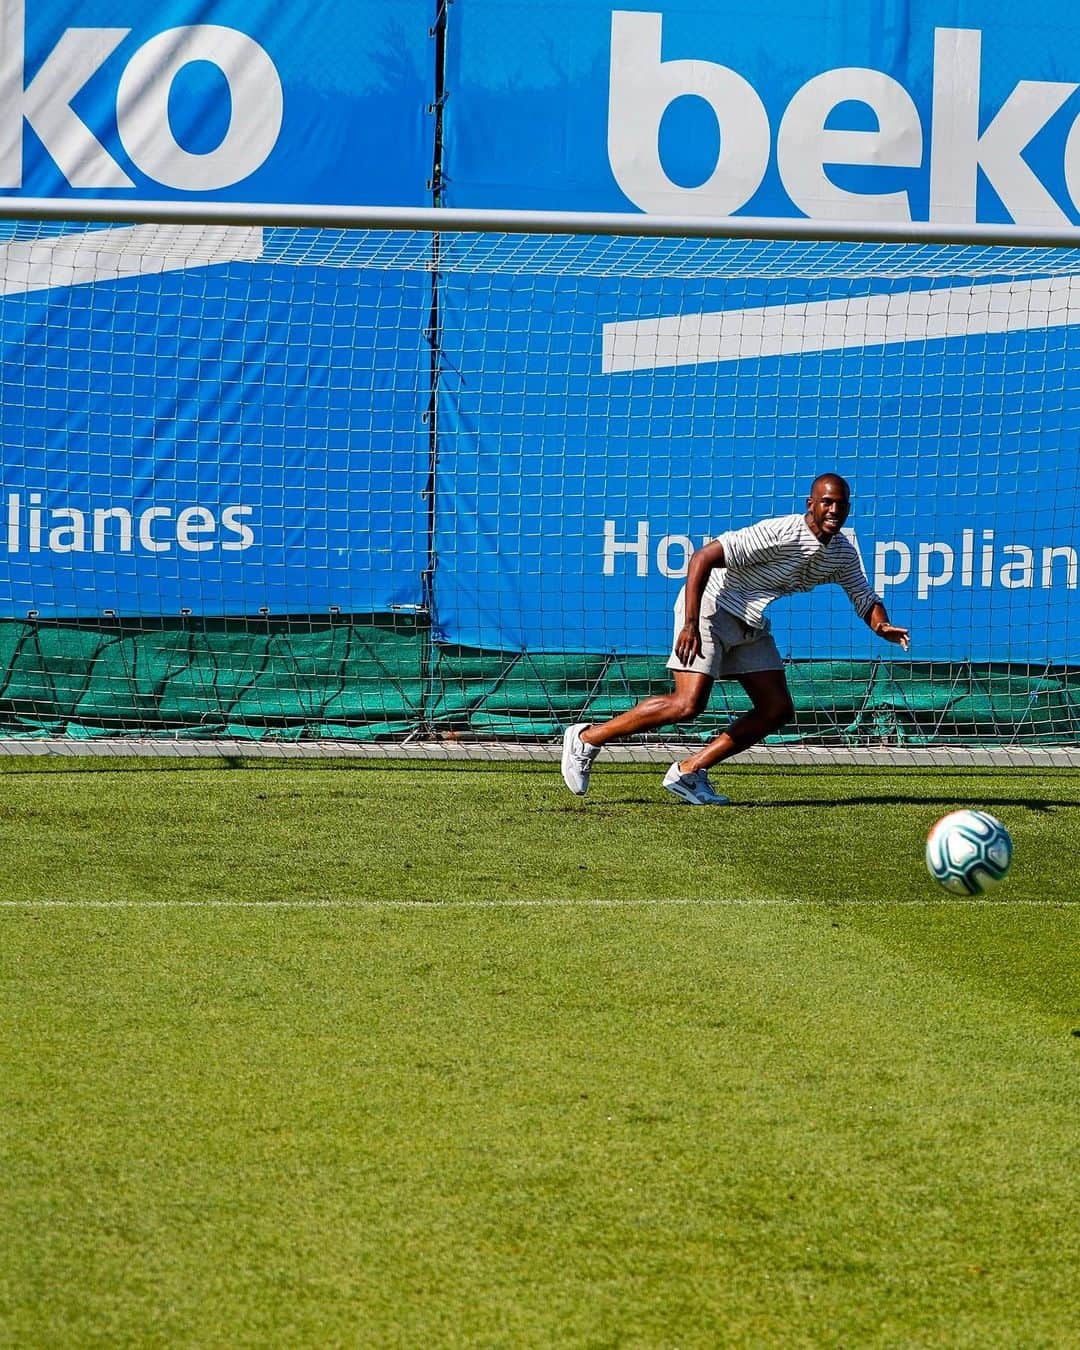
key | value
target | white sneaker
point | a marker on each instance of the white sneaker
(694, 788)
(577, 759)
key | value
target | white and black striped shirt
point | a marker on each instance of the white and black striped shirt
(779, 557)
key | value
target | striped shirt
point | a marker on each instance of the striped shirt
(779, 557)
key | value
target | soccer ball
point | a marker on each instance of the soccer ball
(968, 852)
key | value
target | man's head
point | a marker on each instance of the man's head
(828, 505)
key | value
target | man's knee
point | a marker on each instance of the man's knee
(779, 710)
(773, 704)
(685, 706)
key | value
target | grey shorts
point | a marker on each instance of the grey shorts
(729, 647)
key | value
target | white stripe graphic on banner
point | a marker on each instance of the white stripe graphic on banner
(829, 325)
(128, 251)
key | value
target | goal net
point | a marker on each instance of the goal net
(380, 489)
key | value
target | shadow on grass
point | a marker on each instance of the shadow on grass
(985, 803)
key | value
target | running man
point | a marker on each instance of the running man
(721, 633)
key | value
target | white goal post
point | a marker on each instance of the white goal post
(425, 482)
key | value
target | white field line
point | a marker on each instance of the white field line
(512, 903)
(829, 325)
(113, 254)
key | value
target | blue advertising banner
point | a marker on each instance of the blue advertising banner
(571, 450)
(243, 434)
(218, 439)
(821, 108)
(594, 432)
(244, 100)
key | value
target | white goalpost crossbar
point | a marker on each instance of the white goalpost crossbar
(490, 221)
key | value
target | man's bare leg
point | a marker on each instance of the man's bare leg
(689, 698)
(769, 693)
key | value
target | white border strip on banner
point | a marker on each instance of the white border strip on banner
(125, 251)
(830, 325)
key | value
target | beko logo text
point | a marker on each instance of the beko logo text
(643, 86)
(44, 103)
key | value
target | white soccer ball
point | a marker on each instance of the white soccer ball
(968, 852)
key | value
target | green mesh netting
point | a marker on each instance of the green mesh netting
(367, 678)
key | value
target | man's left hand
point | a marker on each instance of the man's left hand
(891, 633)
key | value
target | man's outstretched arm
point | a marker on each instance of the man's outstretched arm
(878, 621)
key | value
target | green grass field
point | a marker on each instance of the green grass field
(390, 1055)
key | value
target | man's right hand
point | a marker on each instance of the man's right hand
(688, 643)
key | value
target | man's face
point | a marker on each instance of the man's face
(827, 508)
